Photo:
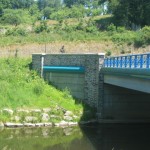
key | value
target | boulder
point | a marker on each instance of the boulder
(48, 124)
(68, 118)
(29, 124)
(13, 125)
(39, 124)
(35, 110)
(16, 118)
(63, 123)
(73, 123)
(23, 111)
(8, 111)
(68, 113)
(30, 119)
(46, 110)
(45, 117)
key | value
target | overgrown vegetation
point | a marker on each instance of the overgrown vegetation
(45, 21)
(21, 87)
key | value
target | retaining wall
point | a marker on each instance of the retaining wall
(89, 89)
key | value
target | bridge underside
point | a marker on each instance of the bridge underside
(135, 79)
(126, 96)
(122, 105)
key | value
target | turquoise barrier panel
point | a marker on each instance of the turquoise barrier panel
(77, 69)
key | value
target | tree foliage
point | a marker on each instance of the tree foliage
(15, 4)
(129, 12)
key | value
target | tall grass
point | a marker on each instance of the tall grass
(21, 87)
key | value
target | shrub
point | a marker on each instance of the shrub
(13, 19)
(143, 37)
(111, 28)
(42, 27)
(108, 53)
(16, 31)
(121, 29)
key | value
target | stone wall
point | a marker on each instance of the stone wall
(91, 62)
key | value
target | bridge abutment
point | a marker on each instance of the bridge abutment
(62, 74)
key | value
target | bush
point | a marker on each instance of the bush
(121, 29)
(111, 28)
(143, 37)
(42, 27)
(126, 37)
(16, 31)
(13, 19)
(108, 53)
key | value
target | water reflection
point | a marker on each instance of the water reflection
(91, 137)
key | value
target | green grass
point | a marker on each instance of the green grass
(21, 87)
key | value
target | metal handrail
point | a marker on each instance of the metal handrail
(128, 61)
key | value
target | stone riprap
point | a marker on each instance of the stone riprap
(89, 90)
(40, 118)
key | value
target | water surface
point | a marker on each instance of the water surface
(90, 137)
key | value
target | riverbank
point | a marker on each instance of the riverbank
(27, 100)
(42, 118)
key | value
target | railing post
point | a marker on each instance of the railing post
(107, 61)
(135, 61)
(111, 62)
(116, 62)
(148, 61)
(130, 61)
(141, 61)
(125, 62)
(120, 62)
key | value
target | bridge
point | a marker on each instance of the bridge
(131, 71)
(118, 87)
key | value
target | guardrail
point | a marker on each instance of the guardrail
(128, 61)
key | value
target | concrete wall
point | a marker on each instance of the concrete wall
(74, 82)
(124, 105)
(90, 79)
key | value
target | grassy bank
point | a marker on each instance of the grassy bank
(23, 88)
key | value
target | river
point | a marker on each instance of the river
(89, 137)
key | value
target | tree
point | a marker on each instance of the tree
(1, 11)
(129, 12)
(48, 3)
(11, 17)
(47, 11)
(70, 3)
(33, 10)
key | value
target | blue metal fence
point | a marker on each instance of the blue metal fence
(129, 61)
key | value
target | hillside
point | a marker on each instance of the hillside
(78, 36)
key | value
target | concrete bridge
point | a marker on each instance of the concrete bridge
(118, 87)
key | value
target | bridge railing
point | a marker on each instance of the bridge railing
(128, 61)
